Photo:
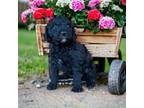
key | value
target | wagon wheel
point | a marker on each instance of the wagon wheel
(117, 77)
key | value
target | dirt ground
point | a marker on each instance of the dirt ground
(31, 97)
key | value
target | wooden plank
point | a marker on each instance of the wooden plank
(39, 40)
(45, 44)
(43, 28)
(44, 25)
(110, 33)
(104, 33)
(46, 50)
(96, 50)
(118, 39)
(95, 39)
(102, 50)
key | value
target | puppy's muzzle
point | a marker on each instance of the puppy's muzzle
(63, 36)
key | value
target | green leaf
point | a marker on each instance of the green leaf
(96, 29)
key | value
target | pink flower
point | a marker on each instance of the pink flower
(93, 3)
(106, 23)
(39, 2)
(36, 3)
(24, 18)
(24, 15)
(77, 5)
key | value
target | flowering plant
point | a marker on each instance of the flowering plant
(106, 23)
(77, 5)
(94, 15)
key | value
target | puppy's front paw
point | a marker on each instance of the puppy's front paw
(91, 86)
(51, 86)
(77, 89)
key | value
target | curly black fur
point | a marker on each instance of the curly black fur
(68, 56)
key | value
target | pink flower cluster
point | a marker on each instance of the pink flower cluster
(106, 23)
(25, 14)
(77, 5)
(93, 3)
(35, 3)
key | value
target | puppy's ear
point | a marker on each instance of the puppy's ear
(46, 35)
(73, 32)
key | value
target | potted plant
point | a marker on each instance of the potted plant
(96, 21)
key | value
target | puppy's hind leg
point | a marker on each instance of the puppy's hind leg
(90, 77)
(77, 86)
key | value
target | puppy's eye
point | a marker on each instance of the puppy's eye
(56, 24)
(68, 25)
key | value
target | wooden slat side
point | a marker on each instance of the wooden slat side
(95, 39)
(98, 50)
(99, 46)
(110, 33)
(101, 50)
(99, 34)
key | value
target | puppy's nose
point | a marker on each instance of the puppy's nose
(63, 40)
(63, 33)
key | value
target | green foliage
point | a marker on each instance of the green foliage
(80, 18)
(96, 29)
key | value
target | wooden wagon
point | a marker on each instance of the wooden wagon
(101, 45)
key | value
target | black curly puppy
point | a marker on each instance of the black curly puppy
(67, 55)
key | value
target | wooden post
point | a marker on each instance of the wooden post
(39, 39)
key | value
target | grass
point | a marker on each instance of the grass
(123, 48)
(29, 60)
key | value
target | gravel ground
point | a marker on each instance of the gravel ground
(99, 97)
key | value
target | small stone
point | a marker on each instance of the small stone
(42, 81)
(33, 81)
(59, 83)
(20, 82)
(38, 86)
(103, 92)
